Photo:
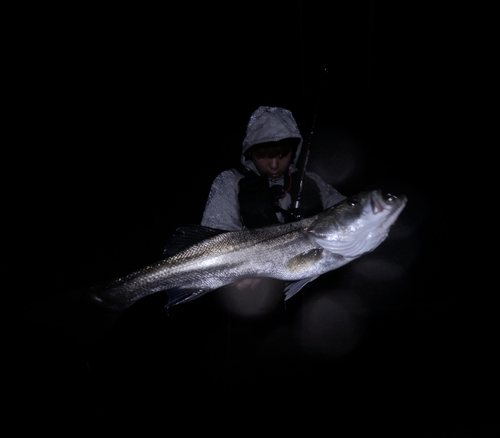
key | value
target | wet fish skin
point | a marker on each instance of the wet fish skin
(296, 252)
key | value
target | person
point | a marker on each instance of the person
(263, 190)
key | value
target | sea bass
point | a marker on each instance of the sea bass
(204, 259)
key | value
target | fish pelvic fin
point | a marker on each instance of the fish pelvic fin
(183, 295)
(295, 286)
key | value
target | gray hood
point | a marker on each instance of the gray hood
(270, 124)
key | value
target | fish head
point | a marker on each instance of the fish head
(358, 224)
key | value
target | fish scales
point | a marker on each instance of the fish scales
(217, 261)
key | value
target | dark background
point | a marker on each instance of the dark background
(124, 115)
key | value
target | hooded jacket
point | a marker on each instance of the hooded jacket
(266, 124)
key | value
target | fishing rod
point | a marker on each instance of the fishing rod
(295, 210)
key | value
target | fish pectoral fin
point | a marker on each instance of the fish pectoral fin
(181, 295)
(293, 287)
(303, 262)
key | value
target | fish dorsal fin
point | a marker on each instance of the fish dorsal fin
(186, 236)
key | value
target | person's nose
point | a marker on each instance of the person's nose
(273, 163)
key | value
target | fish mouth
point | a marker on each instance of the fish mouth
(384, 201)
(376, 202)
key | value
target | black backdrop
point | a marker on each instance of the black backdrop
(125, 115)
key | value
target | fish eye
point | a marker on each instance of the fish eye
(353, 202)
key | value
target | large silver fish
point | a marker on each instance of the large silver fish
(296, 252)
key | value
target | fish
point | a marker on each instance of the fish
(201, 259)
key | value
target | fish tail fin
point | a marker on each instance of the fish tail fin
(75, 312)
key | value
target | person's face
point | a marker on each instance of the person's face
(273, 167)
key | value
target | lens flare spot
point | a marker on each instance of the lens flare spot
(252, 297)
(330, 325)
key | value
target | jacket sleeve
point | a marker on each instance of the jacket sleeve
(329, 196)
(222, 210)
